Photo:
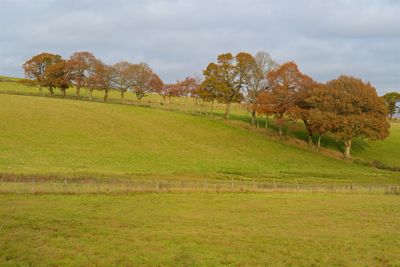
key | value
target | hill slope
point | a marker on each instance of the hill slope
(45, 135)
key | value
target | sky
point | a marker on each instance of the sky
(178, 38)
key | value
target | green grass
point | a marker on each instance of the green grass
(200, 229)
(387, 151)
(47, 135)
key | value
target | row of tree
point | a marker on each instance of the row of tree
(84, 70)
(344, 108)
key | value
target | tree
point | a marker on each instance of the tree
(358, 110)
(207, 93)
(35, 69)
(144, 80)
(169, 90)
(258, 82)
(99, 79)
(226, 80)
(285, 82)
(123, 77)
(391, 101)
(313, 105)
(58, 75)
(264, 104)
(187, 87)
(302, 105)
(80, 64)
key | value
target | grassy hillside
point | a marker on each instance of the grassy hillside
(387, 151)
(200, 229)
(47, 135)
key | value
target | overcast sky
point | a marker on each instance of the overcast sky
(178, 38)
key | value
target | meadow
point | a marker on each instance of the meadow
(60, 136)
(53, 222)
(202, 229)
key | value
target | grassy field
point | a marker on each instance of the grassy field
(200, 229)
(46, 135)
(387, 151)
(128, 148)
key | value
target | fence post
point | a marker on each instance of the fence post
(233, 185)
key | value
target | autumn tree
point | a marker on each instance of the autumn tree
(123, 77)
(35, 69)
(81, 66)
(168, 91)
(285, 82)
(312, 105)
(206, 92)
(258, 82)
(391, 101)
(144, 79)
(186, 88)
(264, 104)
(99, 79)
(58, 75)
(226, 80)
(359, 112)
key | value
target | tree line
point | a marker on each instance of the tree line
(344, 108)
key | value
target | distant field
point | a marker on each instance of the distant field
(200, 229)
(47, 135)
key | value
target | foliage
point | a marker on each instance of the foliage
(391, 101)
(358, 111)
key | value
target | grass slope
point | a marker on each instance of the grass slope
(46, 135)
(200, 229)
(387, 151)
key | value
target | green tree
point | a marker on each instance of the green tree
(391, 101)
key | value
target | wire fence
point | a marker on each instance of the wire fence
(33, 185)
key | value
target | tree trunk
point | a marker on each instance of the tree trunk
(91, 94)
(51, 91)
(63, 92)
(40, 90)
(266, 122)
(227, 111)
(280, 131)
(310, 140)
(105, 95)
(212, 108)
(164, 99)
(78, 92)
(122, 95)
(253, 117)
(347, 148)
(319, 142)
(309, 132)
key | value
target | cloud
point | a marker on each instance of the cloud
(178, 38)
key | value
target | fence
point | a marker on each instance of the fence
(33, 185)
